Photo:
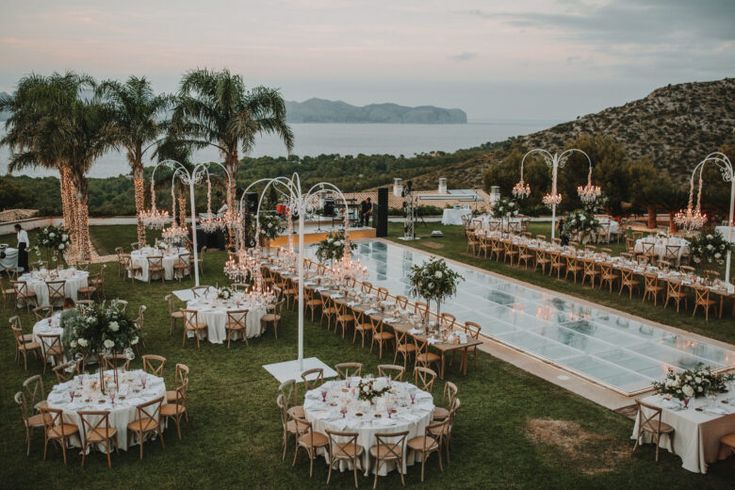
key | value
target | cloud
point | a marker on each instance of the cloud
(463, 56)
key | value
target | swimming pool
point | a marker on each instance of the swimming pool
(622, 353)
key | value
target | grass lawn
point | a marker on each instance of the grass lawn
(234, 439)
(454, 246)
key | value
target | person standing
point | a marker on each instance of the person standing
(366, 212)
(23, 244)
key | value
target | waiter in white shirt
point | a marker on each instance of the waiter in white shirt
(23, 245)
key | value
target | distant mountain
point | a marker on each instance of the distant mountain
(675, 126)
(330, 111)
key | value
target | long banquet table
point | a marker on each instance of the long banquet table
(697, 429)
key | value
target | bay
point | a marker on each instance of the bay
(312, 139)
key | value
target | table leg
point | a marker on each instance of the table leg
(441, 371)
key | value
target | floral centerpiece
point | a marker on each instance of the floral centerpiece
(368, 390)
(710, 247)
(505, 207)
(55, 240)
(692, 383)
(582, 224)
(271, 225)
(333, 247)
(98, 330)
(434, 280)
(224, 293)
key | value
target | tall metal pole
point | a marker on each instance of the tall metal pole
(302, 210)
(730, 227)
(554, 174)
(194, 232)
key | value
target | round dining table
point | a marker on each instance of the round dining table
(74, 280)
(135, 388)
(336, 406)
(213, 312)
(139, 259)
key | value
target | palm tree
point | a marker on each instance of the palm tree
(90, 133)
(215, 108)
(138, 123)
(37, 129)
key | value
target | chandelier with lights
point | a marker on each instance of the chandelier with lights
(589, 193)
(551, 199)
(154, 218)
(692, 218)
(210, 223)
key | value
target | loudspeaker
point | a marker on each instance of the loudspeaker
(329, 206)
(251, 201)
(381, 215)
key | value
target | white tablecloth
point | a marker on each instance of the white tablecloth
(453, 216)
(725, 230)
(36, 281)
(409, 417)
(696, 433)
(139, 258)
(660, 243)
(10, 261)
(121, 413)
(213, 312)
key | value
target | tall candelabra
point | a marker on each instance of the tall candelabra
(191, 179)
(299, 202)
(693, 218)
(553, 199)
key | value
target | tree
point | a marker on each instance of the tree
(37, 130)
(653, 190)
(215, 108)
(138, 122)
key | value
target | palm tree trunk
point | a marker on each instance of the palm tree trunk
(182, 208)
(139, 187)
(84, 250)
(66, 185)
(231, 164)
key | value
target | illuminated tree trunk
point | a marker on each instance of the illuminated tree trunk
(182, 208)
(138, 184)
(84, 249)
(68, 207)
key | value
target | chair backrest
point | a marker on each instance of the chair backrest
(450, 392)
(472, 329)
(435, 433)
(342, 444)
(18, 334)
(672, 252)
(95, 421)
(391, 445)
(447, 320)
(34, 390)
(366, 287)
(154, 364)
(170, 304)
(348, 369)
(282, 408)
(649, 416)
(701, 294)
(191, 318)
(25, 411)
(66, 371)
(651, 281)
(15, 322)
(42, 312)
(56, 289)
(392, 371)
(140, 320)
(116, 361)
(149, 414)
(155, 262)
(50, 344)
(313, 378)
(182, 373)
(237, 318)
(648, 248)
(199, 291)
(402, 301)
(673, 287)
(382, 294)
(53, 419)
(181, 393)
(287, 390)
(687, 268)
(304, 428)
(424, 378)
(422, 309)
(120, 304)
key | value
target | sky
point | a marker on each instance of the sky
(520, 59)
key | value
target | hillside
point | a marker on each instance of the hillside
(675, 126)
(328, 111)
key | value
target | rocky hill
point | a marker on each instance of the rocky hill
(675, 126)
(329, 111)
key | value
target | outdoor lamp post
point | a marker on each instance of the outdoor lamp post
(554, 162)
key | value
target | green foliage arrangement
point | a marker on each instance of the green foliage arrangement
(271, 225)
(506, 207)
(99, 329)
(581, 222)
(434, 280)
(710, 247)
(332, 247)
(692, 383)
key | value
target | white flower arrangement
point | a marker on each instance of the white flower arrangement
(434, 280)
(692, 383)
(504, 208)
(224, 293)
(710, 248)
(97, 329)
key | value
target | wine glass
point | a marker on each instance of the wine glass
(324, 396)
(72, 394)
(343, 411)
(413, 398)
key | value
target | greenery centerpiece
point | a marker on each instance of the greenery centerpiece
(505, 207)
(434, 280)
(368, 390)
(271, 225)
(709, 247)
(55, 240)
(224, 293)
(582, 224)
(692, 383)
(333, 247)
(99, 330)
